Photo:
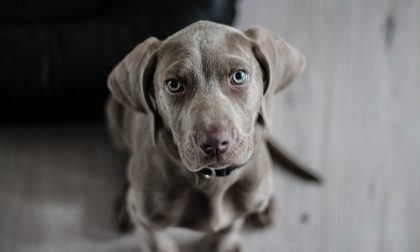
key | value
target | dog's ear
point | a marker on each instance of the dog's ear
(279, 61)
(131, 81)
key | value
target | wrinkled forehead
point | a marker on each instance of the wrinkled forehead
(204, 48)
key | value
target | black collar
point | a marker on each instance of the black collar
(209, 173)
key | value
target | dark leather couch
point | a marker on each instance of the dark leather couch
(55, 55)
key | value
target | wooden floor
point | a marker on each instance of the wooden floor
(354, 116)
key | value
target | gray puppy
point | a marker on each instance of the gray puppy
(192, 111)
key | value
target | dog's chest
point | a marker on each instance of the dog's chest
(208, 211)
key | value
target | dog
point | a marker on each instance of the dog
(193, 113)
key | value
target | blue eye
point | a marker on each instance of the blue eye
(239, 77)
(174, 86)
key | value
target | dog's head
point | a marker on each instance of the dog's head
(208, 85)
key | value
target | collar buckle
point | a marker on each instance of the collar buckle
(208, 173)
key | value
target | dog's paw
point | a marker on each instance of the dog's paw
(238, 248)
(234, 247)
(219, 243)
(265, 218)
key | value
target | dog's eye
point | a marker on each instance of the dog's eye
(239, 77)
(174, 86)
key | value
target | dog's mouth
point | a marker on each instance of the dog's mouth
(209, 173)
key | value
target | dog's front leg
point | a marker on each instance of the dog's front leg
(225, 240)
(155, 241)
(151, 239)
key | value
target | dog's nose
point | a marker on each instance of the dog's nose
(214, 141)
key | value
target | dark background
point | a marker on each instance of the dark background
(56, 55)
